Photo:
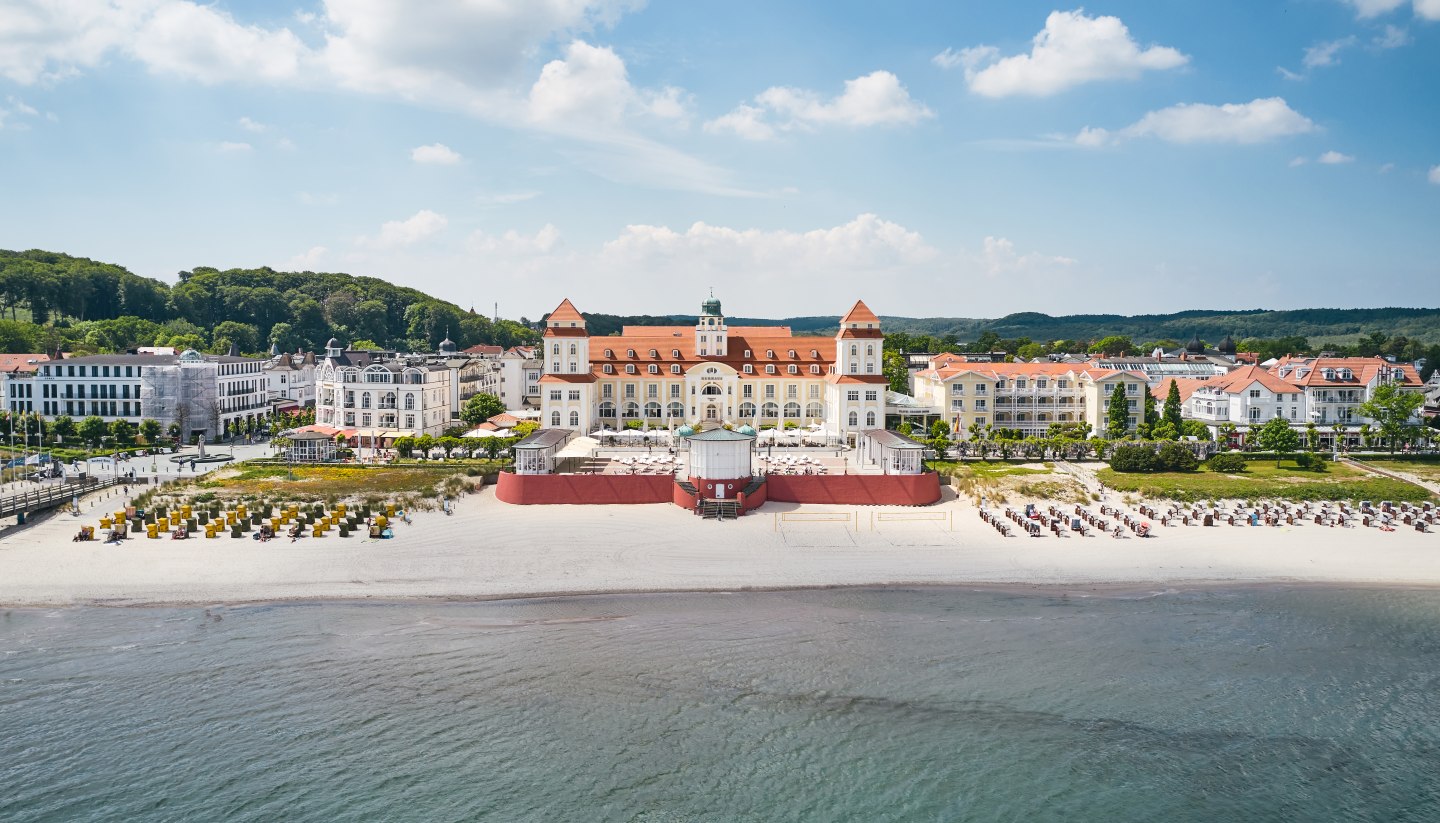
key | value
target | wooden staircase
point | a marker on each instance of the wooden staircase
(711, 509)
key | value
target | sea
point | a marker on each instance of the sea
(918, 704)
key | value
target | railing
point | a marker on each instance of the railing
(52, 496)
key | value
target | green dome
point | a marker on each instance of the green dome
(711, 307)
(685, 431)
(745, 430)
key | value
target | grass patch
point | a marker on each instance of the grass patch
(326, 482)
(985, 468)
(1263, 479)
(1425, 470)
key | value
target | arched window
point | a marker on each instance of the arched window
(609, 353)
(572, 349)
(575, 418)
(632, 410)
(814, 369)
(854, 419)
(747, 410)
(675, 353)
(792, 409)
(815, 353)
(793, 369)
(676, 409)
(769, 410)
(365, 400)
(654, 353)
(770, 368)
(749, 369)
(387, 400)
(608, 369)
(652, 410)
(710, 389)
(869, 418)
(654, 369)
(815, 410)
(854, 350)
(869, 351)
(607, 409)
(675, 368)
(630, 353)
(792, 354)
(409, 402)
(555, 419)
(629, 368)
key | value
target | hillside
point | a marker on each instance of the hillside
(50, 300)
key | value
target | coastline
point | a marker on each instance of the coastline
(490, 551)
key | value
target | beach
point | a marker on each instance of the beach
(489, 549)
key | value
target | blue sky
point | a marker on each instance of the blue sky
(960, 159)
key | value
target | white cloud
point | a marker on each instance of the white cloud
(1386, 168)
(1298, 161)
(1254, 122)
(1324, 54)
(14, 107)
(589, 85)
(252, 126)
(397, 233)
(1000, 258)
(437, 154)
(513, 243)
(874, 99)
(506, 198)
(1434, 176)
(229, 147)
(1374, 8)
(1427, 9)
(1335, 158)
(1071, 50)
(307, 260)
(208, 45)
(1288, 74)
(1392, 38)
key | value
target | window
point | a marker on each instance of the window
(629, 390)
(574, 394)
(555, 419)
(749, 369)
(607, 368)
(675, 410)
(854, 419)
(1020, 383)
(674, 389)
(1131, 388)
(574, 418)
(652, 390)
(630, 353)
(607, 409)
(654, 369)
(814, 369)
(675, 368)
(747, 390)
(675, 353)
(747, 354)
(770, 354)
(607, 390)
(770, 368)
(572, 349)
(793, 369)
(769, 410)
(791, 353)
(654, 353)
(792, 391)
(609, 353)
(869, 351)
(554, 394)
(870, 418)
(769, 392)
(957, 388)
(980, 405)
(854, 368)
(652, 410)
(852, 396)
(872, 395)
(629, 368)
(792, 409)
(747, 410)
(815, 353)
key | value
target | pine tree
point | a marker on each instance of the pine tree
(1118, 414)
(1172, 407)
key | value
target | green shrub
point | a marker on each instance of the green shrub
(1227, 463)
(1133, 459)
(1174, 457)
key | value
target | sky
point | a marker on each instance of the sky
(964, 159)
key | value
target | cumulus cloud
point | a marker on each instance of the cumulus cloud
(1364, 9)
(874, 99)
(1434, 176)
(1335, 158)
(1393, 37)
(1000, 258)
(251, 125)
(437, 154)
(308, 260)
(398, 233)
(1427, 9)
(1258, 121)
(229, 147)
(513, 243)
(208, 45)
(1071, 50)
(1325, 53)
(1298, 162)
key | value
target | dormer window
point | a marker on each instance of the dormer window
(609, 353)
(791, 353)
(629, 368)
(747, 354)
(675, 369)
(654, 369)
(749, 369)
(654, 353)
(630, 353)
(770, 354)
(814, 369)
(675, 353)
(793, 369)
(608, 369)
(770, 368)
(815, 353)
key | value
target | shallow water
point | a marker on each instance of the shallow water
(863, 705)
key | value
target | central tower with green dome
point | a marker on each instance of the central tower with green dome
(710, 329)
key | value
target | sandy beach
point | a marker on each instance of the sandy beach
(492, 549)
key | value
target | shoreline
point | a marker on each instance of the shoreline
(1101, 588)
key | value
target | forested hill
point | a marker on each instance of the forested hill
(1320, 325)
(51, 300)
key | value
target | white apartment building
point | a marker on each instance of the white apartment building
(382, 397)
(205, 395)
(1249, 395)
(1028, 397)
(290, 379)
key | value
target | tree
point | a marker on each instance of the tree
(1136, 458)
(905, 428)
(1113, 346)
(123, 432)
(897, 372)
(1117, 414)
(940, 436)
(524, 428)
(1030, 351)
(1277, 436)
(1150, 418)
(1312, 436)
(1176, 457)
(90, 430)
(1172, 408)
(1196, 429)
(150, 430)
(63, 427)
(1393, 409)
(404, 446)
(480, 408)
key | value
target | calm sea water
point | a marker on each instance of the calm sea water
(854, 705)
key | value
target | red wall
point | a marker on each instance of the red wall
(855, 489)
(584, 489)
(706, 487)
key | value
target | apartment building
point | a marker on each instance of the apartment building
(1025, 396)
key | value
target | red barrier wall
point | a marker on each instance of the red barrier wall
(584, 489)
(751, 502)
(855, 489)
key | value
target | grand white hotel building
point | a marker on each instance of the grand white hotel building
(712, 373)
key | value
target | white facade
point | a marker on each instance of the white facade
(382, 398)
(291, 377)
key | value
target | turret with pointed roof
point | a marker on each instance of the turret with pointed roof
(860, 322)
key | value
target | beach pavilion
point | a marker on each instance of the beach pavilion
(893, 452)
(536, 454)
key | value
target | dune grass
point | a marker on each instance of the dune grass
(1264, 480)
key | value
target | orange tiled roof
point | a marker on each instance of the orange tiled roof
(683, 331)
(1187, 386)
(860, 313)
(1244, 377)
(1364, 370)
(565, 313)
(21, 362)
(567, 378)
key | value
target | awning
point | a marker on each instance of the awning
(579, 447)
